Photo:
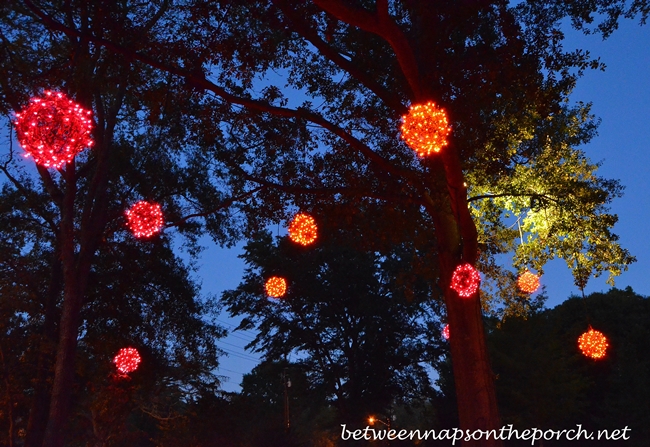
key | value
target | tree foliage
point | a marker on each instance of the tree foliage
(356, 329)
(296, 104)
(545, 381)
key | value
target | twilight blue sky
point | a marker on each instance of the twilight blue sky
(621, 98)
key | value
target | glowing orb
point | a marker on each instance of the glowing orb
(54, 129)
(445, 332)
(127, 360)
(528, 282)
(276, 287)
(593, 344)
(465, 280)
(144, 219)
(303, 229)
(425, 128)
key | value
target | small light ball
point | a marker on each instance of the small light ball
(528, 282)
(445, 332)
(276, 287)
(465, 280)
(127, 360)
(425, 128)
(144, 219)
(303, 229)
(593, 344)
(53, 129)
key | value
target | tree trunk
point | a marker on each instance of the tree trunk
(40, 402)
(65, 367)
(458, 244)
(74, 280)
(475, 391)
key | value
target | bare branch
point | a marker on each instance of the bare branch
(224, 204)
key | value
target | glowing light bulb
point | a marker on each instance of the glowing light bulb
(445, 332)
(425, 128)
(528, 282)
(144, 219)
(593, 344)
(303, 229)
(276, 287)
(465, 280)
(53, 129)
(127, 360)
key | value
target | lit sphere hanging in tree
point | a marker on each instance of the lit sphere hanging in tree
(144, 219)
(465, 280)
(303, 229)
(276, 287)
(425, 128)
(127, 360)
(445, 332)
(593, 344)
(54, 129)
(528, 282)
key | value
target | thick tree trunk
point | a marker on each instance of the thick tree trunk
(65, 368)
(457, 244)
(74, 280)
(40, 402)
(475, 391)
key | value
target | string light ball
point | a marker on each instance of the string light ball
(528, 282)
(303, 229)
(593, 344)
(425, 128)
(445, 332)
(276, 287)
(53, 129)
(465, 280)
(127, 360)
(144, 219)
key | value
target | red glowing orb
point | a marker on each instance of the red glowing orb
(144, 219)
(425, 128)
(528, 282)
(127, 360)
(54, 129)
(465, 280)
(276, 287)
(593, 344)
(303, 229)
(445, 332)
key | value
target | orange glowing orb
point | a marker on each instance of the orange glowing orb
(593, 344)
(303, 229)
(465, 280)
(144, 219)
(127, 360)
(445, 332)
(54, 129)
(425, 128)
(528, 282)
(276, 287)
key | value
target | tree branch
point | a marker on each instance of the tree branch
(310, 35)
(225, 204)
(198, 80)
(505, 194)
(385, 27)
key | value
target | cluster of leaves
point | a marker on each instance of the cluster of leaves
(361, 331)
(545, 381)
